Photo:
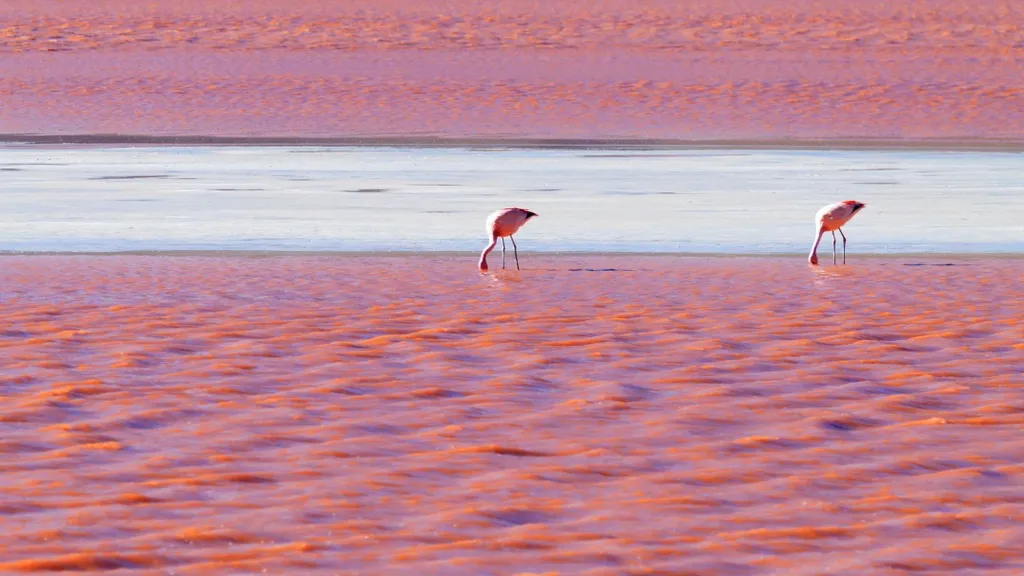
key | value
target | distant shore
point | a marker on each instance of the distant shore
(928, 74)
(936, 144)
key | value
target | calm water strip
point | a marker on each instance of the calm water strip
(436, 199)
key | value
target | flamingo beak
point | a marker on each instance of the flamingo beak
(530, 214)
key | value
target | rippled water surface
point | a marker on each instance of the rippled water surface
(587, 415)
(370, 199)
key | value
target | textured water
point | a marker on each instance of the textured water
(369, 199)
(592, 414)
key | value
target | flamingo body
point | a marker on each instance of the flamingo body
(502, 223)
(832, 218)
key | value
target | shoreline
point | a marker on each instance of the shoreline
(464, 254)
(609, 143)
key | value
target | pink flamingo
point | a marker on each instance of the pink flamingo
(829, 219)
(504, 222)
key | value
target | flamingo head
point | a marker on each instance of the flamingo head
(529, 215)
(855, 206)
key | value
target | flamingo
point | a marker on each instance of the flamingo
(504, 222)
(829, 219)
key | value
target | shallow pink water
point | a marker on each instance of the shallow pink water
(587, 415)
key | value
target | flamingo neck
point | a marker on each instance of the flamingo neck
(813, 256)
(487, 250)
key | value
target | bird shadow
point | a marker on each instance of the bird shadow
(830, 271)
(583, 269)
(515, 273)
(500, 276)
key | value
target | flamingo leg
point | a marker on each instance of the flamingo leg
(844, 244)
(833, 248)
(503, 252)
(515, 250)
